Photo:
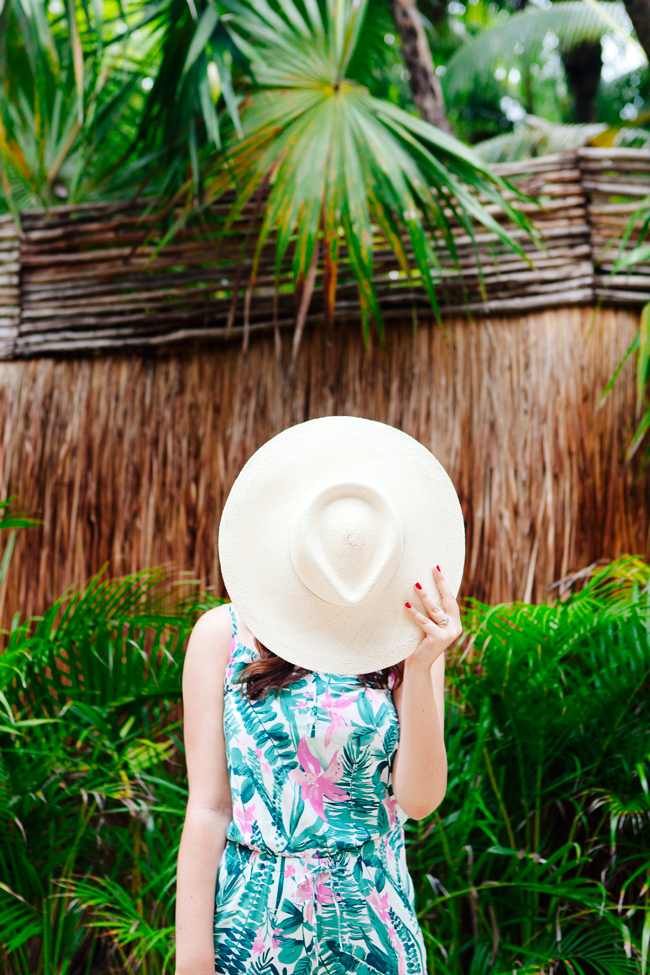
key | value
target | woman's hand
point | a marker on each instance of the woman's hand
(419, 772)
(438, 634)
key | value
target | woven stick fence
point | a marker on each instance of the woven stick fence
(128, 458)
(94, 277)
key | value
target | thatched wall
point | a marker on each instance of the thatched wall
(129, 459)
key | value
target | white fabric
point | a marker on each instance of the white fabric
(325, 531)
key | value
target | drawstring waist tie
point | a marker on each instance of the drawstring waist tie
(317, 883)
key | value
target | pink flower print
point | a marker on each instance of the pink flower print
(289, 870)
(314, 783)
(277, 937)
(324, 894)
(376, 696)
(245, 817)
(258, 944)
(335, 707)
(304, 895)
(392, 807)
(379, 903)
(307, 701)
(264, 765)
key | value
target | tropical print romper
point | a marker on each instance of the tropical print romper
(313, 878)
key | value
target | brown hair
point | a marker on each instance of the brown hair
(272, 673)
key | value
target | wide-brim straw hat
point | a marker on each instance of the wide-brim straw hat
(323, 535)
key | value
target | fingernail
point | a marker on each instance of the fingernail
(438, 568)
(417, 585)
(408, 605)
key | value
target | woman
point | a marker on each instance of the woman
(298, 789)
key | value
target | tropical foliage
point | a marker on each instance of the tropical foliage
(338, 160)
(342, 169)
(104, 98)
(92, 781)
(534, 859)
(303, 105)
(538, 856)
(525, 32)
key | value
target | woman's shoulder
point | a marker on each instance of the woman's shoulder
(212, 634)
(206, 658)
(218, 620)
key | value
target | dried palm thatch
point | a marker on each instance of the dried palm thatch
(128, 459)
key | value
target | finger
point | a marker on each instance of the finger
(435, 611)
(446, 595)
(422, 621)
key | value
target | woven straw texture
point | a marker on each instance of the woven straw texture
(128, 460)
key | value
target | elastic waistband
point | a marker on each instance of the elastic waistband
(318, 855)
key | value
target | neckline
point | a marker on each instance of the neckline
(253, 650)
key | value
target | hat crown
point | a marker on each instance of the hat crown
(346, 543)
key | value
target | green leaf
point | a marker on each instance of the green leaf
(634, 345)
(572, 21)
(645, 944)
(203, 33)
(636, 256)
(643, 359)
(337, 160)
(209, 114)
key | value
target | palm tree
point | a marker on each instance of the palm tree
(344, 172)
(579, 28)
(426, 87)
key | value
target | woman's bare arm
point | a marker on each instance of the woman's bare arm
(419, 771)
(209, 806)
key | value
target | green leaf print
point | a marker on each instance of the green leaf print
(247, 791)
(293, 921)
(291, 951)
(313, 878)
(303, 967)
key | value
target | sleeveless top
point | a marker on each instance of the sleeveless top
(309, 767)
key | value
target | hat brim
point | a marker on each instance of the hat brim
(254, 549)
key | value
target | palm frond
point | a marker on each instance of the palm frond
(193, 86)
(14, 519)
(534, 136)
(571, 21)
(114, 913)
(65, 90)
(340, 164)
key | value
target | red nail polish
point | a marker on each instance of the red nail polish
(438, 568)
(408, 605)
(417, 585)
